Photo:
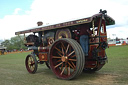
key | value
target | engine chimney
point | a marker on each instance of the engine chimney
(39, 23)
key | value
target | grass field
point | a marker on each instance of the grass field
(115, 72)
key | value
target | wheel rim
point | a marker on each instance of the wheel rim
(31, 64)
(63, 60)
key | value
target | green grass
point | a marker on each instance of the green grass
(118, 63)
(13, 71)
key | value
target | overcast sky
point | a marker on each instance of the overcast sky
(18, 15)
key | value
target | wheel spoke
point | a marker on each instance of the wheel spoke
(72, 59)
(61, 66)
(56, 57)
(58, 65)
(73, 56)
(29, 65)
(32, 67)
(59, 54)
(71, 53)
(63, 46)
(59, 60)
(31, 58)
(58, 49)
(32, 62)
(29, 62)
(67, 48)
(63, 70)
(62, 51)
(71, 65)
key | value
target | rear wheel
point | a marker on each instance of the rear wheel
(66, 58)
(31, 63)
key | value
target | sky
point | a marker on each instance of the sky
(18, 15)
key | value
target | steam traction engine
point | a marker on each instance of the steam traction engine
(58, 46)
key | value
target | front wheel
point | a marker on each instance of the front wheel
(31, 63)
(66, 58)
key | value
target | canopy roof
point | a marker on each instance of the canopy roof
(109, 21)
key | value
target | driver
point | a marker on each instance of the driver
(84, 37)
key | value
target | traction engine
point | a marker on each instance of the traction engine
(58, 46)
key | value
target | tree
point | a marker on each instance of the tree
(14, 43)
(5, 43)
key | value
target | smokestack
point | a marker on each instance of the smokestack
(39, 23)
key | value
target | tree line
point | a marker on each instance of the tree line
(14, 43)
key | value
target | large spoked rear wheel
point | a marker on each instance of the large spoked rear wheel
(66, 58)
(31, 63)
